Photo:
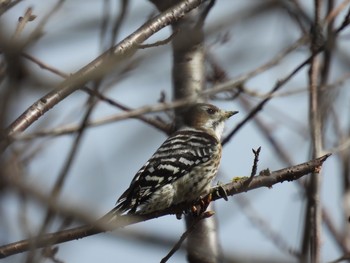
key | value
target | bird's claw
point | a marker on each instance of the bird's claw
(202, 206)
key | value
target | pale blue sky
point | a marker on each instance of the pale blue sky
(111, 154)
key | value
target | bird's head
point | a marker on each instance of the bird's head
(207, 117)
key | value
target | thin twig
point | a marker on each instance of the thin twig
(205, 13)
(255, 165)
(38, 30)
(91, 103)
(265, 227)
(335, 12)
(160, 42)
(22, 22)
(345, 22)
(153, 122)
(283, 155)
(256, 160)
(119, 20)
(183, 237)
(135, 113)
(106, 17)
(99, 67)
(4, 7)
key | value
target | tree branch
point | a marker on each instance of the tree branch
(100, 66)
(264, 179)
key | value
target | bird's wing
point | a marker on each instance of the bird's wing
(177, 156)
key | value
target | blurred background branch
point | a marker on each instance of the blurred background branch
(283, 64)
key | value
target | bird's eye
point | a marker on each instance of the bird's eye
(210, 111)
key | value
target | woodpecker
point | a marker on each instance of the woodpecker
(182, 168)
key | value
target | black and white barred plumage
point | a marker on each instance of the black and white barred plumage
(182, 168)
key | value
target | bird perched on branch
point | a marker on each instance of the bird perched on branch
(182, 168)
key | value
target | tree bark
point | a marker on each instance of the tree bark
(188, 77)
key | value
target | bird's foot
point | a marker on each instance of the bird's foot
(202, 206)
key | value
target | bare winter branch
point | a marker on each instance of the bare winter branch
(101, 65)
(265, 179)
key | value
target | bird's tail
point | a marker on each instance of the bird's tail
(110, 218)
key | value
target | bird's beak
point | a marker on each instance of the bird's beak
(228, 114)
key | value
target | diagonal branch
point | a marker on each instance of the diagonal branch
(264, 179)
(100, 66)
